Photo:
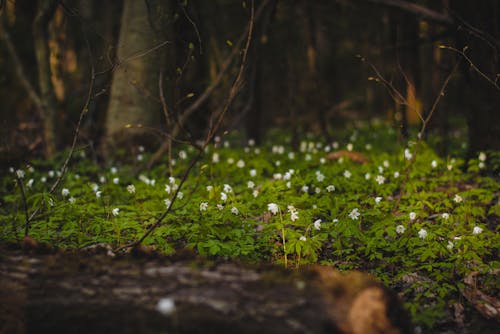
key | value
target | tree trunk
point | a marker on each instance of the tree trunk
(44, 14)
(82, 293)
(145, 39)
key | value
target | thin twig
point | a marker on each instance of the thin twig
(472, 65)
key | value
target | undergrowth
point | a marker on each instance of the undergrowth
(420, 226)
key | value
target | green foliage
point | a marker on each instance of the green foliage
(399, 219)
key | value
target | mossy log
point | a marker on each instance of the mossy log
(77, 292)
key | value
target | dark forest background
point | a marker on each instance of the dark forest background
(152, 71)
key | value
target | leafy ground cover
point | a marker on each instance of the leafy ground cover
(421, 223)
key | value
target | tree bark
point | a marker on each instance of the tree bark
(44, 14)
(144, 42)
(82, 293)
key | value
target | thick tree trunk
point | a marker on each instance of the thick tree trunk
(144, 42)
(43, 16)
(82, 293)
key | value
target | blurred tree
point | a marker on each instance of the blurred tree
(134, 111)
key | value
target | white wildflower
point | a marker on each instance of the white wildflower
(220, 207)
(445, 215)
(458, 198)
(168, 202)
(412, 215)
(215, 158)
(317, 224)
(223, 196)
(131, 188)
(234, 211)
(183, 155)
(29, 184)
(347, 174)
(98, 194)
(434, 164)
(408, 154)
(227, 188)
(209, 188)
(319, 176)
(230, 161)
(380, 179)
(72, 200)
(422, 234)
(250, 184)
(482, 156)
(180, 195)
(113, 170)
(396, 175)
(305, 188)
(330, 188)
(64, 192)
(477, 230)
(203, 206)
(168, 189)
(400, 229)
(354, 214)
(240, 164)
(255, 193)
(115, 212)
(273, 208)
(367, 176)
(450, 245)
(378, 199)
(116, 180)
(253, 172)
(303, 238)
(20, 173)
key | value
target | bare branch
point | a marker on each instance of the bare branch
(421, 11)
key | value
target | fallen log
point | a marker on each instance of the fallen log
(76, 292)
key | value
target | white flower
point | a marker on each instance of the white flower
(396, 175)
(422, 234)
(477, 230)
(380, 169)
(450, 245)
(72, 200)
(378, 199)
(322, 161)
(287, 176)
(43, 179)
(482, 156)
(215, 158)
(277, 163)
(227, 188)
(98, 194)
(64, 192)
(240, 164)
(408, 154)
(412, 215)
(445, 215)
(330, 188)
(319, 176)
(335, 220)
(234, 210)
(308, 157)
(140, 157)
(273, 208)
(303, 238)
(116, 180)
(367, 176)
(289, 184)
(209, 188)
(220, 207)
(481, 165)
(29, 184)
(385, 163)
(400, 229)
(203, 206)
(347, 174)
(171, 180)
(50, 173)
(335, 145)
(253, 172)
(182, 155)
(115, 212)
(166, 306)
(317, 224)
(349, 147)
(131, 188)
(223, 196)
(434, 164)
(255, 193)
(168, 189)
(168, 202)
(113, 170)
(251, 142)
(380, 179)
(141, 148)
(102, 179)
(449, 166)
(180, 195)
(305, 188)
(368, 147)
(20, 173)
(250, 184)
(277, 176)
(291, 155)
(458, 198)
(354, 214)
(230, 161)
